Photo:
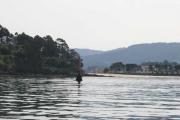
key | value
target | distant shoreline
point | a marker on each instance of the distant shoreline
(36, 75)
(53, 75)
(140, 74)
(96, 75)
(84, 75)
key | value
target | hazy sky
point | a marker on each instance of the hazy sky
(95, 24)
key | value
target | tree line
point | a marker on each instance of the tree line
(154, 68)
(23, 54)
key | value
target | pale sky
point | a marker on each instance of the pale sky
(95, 24)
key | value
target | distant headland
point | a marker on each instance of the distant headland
(135, 54)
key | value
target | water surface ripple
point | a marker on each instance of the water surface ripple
(98, 98)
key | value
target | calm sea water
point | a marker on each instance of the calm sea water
(98, 98)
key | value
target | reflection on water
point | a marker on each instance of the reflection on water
(122, 97)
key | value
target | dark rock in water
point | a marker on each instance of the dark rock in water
(79, 78)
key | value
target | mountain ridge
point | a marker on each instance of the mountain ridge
(87, 52)
(138, 54)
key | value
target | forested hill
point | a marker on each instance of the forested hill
(88, 52)
(24, 54)
(155, 52)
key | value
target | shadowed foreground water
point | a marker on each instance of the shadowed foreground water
(103, 98)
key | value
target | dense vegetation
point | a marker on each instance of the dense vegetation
(23, 54)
